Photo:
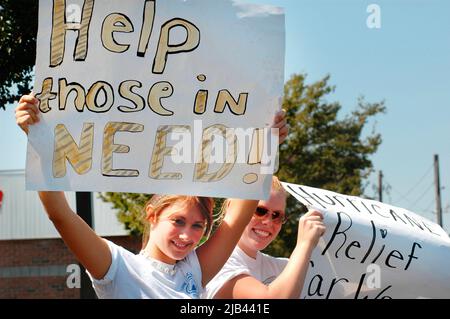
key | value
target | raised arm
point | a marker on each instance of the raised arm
(290, 281)
(91, 250)
(216, 251)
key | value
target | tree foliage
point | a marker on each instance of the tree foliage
(18, 29)
(322, 150)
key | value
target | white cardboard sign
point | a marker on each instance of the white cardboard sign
(165, 96)
(374, 250)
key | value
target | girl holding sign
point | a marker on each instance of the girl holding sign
(251, 274)
(169, 265)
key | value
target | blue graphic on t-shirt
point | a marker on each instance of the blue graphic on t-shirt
(189, 286)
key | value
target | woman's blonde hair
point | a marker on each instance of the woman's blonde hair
(157, 203)
(276, 187)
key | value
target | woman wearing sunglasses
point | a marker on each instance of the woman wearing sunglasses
(249, 273)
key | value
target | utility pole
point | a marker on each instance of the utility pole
(84, 210)
(438, 190)
(380, 186)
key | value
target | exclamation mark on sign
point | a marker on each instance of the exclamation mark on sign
(255, 154)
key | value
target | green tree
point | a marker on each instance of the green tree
(321, 151)
(18, 29)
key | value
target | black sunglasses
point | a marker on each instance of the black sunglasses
(277, 216)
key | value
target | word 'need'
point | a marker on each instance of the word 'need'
(80, 155)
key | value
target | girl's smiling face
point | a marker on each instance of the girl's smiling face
(175, 232)
(262, 230)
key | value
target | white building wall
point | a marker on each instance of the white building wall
(23, 217)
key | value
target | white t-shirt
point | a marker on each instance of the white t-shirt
(265, 268)
(139, 277)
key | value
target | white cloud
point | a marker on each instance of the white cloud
(256, 10)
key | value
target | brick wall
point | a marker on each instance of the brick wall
(37, 268)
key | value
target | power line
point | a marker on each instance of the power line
(447, 209)
(428, 206)
(407, 200)
(416, 184)
(396, 191)
(412, 204)
(423, 194)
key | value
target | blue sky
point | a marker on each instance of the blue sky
(406, 62)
